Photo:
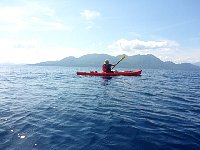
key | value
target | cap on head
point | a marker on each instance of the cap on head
(106, 61)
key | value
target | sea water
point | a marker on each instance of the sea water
(53, 108)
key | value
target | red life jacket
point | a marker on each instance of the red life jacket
(104, 68)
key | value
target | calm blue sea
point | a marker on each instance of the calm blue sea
(51, 108)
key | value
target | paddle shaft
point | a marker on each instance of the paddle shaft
(116, 64)
(119, 61)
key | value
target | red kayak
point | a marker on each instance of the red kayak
(115, 73)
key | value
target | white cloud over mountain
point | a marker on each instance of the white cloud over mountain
(132, 45)
(165, 49)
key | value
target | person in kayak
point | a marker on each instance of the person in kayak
(106, 67)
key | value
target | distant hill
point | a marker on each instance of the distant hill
(197, 63)
(137, 61)
(7, 64)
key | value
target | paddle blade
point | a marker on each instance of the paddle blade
(120, 60)
(123, 57)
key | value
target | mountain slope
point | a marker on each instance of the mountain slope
(197, 64)
(137, 61)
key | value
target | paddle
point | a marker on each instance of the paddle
(123, 56)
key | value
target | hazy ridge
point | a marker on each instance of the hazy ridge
(137, 61)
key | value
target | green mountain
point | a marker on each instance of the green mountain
(137, 62)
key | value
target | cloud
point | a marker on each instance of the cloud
(12, 43)
(29, 16)
(89, 14)
(35, 50)
(18, 51)
(132, 45)
(166, 50)
(47, 25)
(11, 14)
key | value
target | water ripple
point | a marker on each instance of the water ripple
(52, 108)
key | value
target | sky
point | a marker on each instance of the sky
(33, 31)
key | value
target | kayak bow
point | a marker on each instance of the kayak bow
(115, 73)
